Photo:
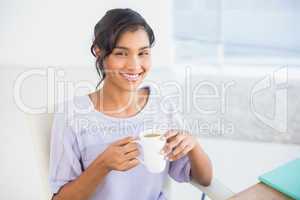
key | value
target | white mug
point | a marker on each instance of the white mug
(151, 147)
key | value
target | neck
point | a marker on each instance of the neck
(117, 99)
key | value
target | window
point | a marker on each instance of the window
(233, 31)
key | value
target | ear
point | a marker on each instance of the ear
(97, 51)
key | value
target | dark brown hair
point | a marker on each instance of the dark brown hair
(109, 29)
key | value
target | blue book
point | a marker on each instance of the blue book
(285, 179)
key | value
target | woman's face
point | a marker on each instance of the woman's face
(128, 64)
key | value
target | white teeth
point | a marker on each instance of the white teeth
(130, 77)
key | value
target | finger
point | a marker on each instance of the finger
(124, 141)
(128, 164)
(130, 147)
(170, 133)
(170, 139)
(179, 148)
(168, 148)
(132, 155)
(133, 163)
(180, 154)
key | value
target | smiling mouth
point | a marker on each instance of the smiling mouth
(131, 76)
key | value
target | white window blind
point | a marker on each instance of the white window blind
(234, 31)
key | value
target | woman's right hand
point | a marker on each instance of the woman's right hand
(121, 155)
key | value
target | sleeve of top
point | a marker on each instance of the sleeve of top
(65, 163)
(179, 170)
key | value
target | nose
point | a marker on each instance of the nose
(133, 63)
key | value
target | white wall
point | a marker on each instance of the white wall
(43, 33)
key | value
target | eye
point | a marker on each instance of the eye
(120, 53)
(144, 53)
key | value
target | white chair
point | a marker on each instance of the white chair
(40, 130)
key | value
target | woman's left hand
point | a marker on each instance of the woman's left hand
(178, 144)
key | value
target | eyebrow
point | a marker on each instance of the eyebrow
(121, 47)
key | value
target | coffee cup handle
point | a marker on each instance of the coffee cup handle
(139, 159)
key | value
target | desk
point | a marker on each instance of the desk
(259, 191)
(238, 164)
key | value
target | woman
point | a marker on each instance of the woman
(102, 162)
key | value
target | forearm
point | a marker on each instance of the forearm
(85, 185)
(201, 167)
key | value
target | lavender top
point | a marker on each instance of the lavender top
(80, 133)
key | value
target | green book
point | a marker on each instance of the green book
(285, 179)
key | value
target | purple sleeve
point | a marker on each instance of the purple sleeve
(65, 164)
(180, 170)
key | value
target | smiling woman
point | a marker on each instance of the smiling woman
(117, 35)
(129, 61)
(122, 47)
(99, 159)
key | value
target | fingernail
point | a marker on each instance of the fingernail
(165, 153)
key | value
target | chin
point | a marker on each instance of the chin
(130, 88)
